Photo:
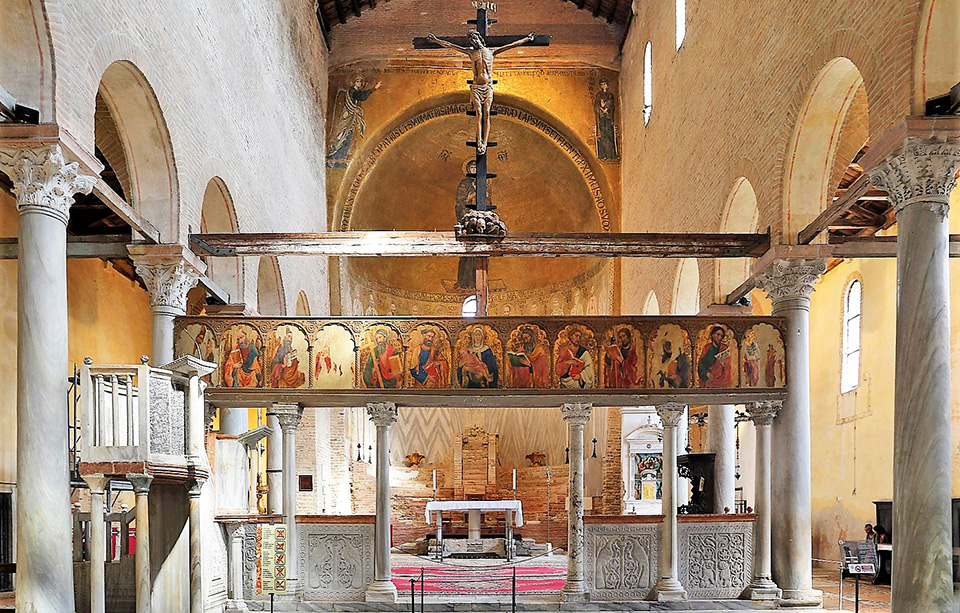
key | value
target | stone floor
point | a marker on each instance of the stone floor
(873, 598)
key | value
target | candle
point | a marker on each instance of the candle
(514, 478)
(434, 479)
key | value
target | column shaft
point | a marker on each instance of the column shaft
(98, 543)
(576, 416)
(668, 586)
(288, 416)
(762, 586)
(722, 441)
(274, 465)
(196, 567)
(382, 589)
(141, 487)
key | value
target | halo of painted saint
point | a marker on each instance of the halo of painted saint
(478, 354)
(528, 357)
(717, 357)
(381, 358)
(575, 363)
(623, 358)
(428, 357)
(668, 357)
(242, 350)
(200, 341)
(287, 357)
(762, 362)
(333, 359)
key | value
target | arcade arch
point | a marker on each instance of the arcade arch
(741, 214)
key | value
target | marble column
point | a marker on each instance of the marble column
(141, 487)
(383, 415)
(668, 586)
(274, 465)
(235, 601)
(44, 184)
(919, 178)
(762, 586)
(789, 284)
(169, 272)
(288, 416)
(576, 415)
(234, 421)
(194, 487)
(722, 441)
(98, 542)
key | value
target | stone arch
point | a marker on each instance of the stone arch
(813, 148)
(270, 297)
(651, 306)
(26, 56)
(303, 305)
(147, 149)
(218, 214)
(741, 214)
(686, 288)
(936, 64)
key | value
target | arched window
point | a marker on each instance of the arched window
(850, 366)
(469, 308)
(681, 22)
(647, 82)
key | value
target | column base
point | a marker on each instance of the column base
(381, 591)
(762, 588)
(236, 606)
(801, 598)
(574, 591)
(666, 590)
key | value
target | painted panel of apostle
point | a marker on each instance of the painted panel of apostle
(528, 358)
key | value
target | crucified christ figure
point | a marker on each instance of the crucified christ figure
(482, 87)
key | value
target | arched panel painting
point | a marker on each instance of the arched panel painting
(762, 364)
(575, 358)
(381, 358)
(428, 357)
(334, 358)
(242, 350)
(200, 341)
(479, 357)
(528, 357)
(287, 357)
(623, 358)
(717, 357)
(669, 358)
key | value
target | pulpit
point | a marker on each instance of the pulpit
(698, 469)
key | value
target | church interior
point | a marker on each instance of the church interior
(583, 305)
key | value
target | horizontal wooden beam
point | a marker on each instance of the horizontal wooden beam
(104, 247)
(877, 246)
(835, 211)
(482, 398)
(124, 211)
(406, 244)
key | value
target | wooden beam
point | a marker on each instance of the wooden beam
(124, 211)
(356, 7)
(854, 247)
(341, 14)
(412, 244)
(835, 211)
(104, 247)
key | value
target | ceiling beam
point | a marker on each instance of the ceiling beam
(412, 244)
(835, 211)
(104, 247)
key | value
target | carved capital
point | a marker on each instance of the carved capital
(923, 172)
(382, 413)
(168, 280)
(288, 416)
(576, 413)
(96, 483)
(762, 412)
(790, 279)
(140, 483)
(43, 181)
(671, 413)
(194, 486)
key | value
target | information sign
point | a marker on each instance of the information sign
(271, 559)
(859, 557)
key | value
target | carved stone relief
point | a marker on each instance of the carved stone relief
(622, 560)
(336, 561)
(716, 559)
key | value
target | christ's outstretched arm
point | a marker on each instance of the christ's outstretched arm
(526, 39)
(445, 43)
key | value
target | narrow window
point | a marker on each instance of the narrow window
(681, 22)
(647, 82)
(469, 307)
(850, 367)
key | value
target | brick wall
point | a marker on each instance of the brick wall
(612, 499)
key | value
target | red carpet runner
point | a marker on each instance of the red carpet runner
(481, 579)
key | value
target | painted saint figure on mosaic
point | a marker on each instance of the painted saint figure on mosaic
(429, 358)
(528, 357)
(241, 367)
(477, 363)
(622, 358)
(348, 120)
(604, 107)
(717, 357)
(574, 363)
(285, 362)
(381, 359)
(669, 357)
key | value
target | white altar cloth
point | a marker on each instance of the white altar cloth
(483, 506)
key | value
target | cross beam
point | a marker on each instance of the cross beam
(407, 244)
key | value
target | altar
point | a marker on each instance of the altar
(513, 510)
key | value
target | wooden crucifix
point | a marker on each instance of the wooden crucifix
(481, 48)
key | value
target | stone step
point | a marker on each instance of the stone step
(478, 604)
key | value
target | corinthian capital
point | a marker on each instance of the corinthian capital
(671, 414)
(923, 172)
(576, 413)
(762, 412)
(382, 413)
(43, 181)
(790, 279)
(169, 272)
(288, 415)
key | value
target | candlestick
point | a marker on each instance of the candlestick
(514, 479)
(434, 480)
